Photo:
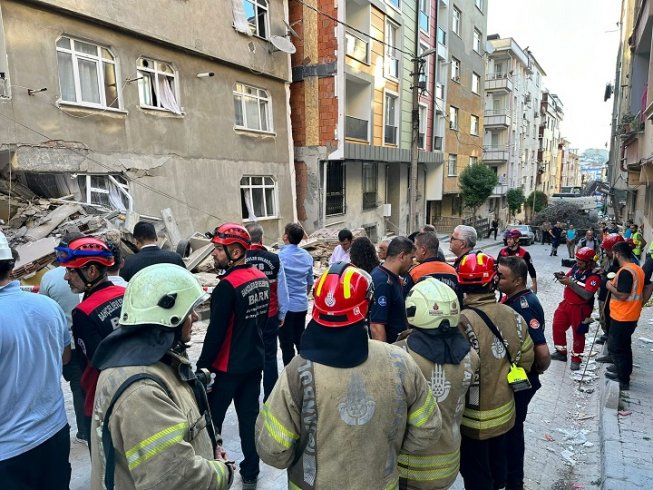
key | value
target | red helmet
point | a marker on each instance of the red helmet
(342, 296)
(585, 254)
(631, 243)
(513, 233)
(231, 233)
(476, 268)
(611, 240)
(82, 251)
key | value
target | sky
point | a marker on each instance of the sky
(576, 43)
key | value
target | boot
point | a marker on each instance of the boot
(611, 368)
(559, 356)
(601, 340)
(605, 359)
(574, 366)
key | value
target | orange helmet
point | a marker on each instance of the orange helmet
(610, 241)
(82, 251)
(230, 233)
(342, 296)
(476, 268)
(585, 254)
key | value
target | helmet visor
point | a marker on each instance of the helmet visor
(66, 254)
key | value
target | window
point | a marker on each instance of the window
(369, 185)
(391, 123)
(395, 3)
(392, 56)
(110, 191)
(87, 73)
(453, 163)
(477, 41)
(442, 36)
(258, 197)
(421, 133)
(453, 118)
(335, 188)
(157, 86)
(426, 66)
(474, 125)
(424, 14)
(476, 83)
(455, 25)
(253, 108)
(479, 4)
(455, 70)
(473, 161)
(256, 13)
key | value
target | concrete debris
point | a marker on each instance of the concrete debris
(548, 437)
(645, 340)
(575, 438)
(567, 456)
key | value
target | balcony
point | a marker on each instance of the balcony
(496, 154)
(498, 82)
(356, 128)
(497, 120)
(499, 190)
(356, 47)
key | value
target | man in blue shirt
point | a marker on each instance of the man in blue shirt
(388, 314)
(34, 345)
(298, 266)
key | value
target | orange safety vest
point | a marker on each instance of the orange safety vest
(629, 309)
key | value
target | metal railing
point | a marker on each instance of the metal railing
(356, 128)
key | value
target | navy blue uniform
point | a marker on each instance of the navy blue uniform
(389, 306)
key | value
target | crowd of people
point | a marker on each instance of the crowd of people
(431, 364)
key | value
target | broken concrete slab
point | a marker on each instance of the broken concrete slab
(54, 219)
(34, 256)
(198, 256)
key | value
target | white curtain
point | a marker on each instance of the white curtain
(116, 198)
(241, 23)
(166, 95)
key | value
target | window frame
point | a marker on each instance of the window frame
(259, 99)
(391, 48)
(427, 64)
(454, 121)
(263, 186)
(395, 4)
(341, 193)
(473, 118)
(479, 4)
(422, 125)
(369, 179)
(424, 14)
(100, 63)
(455, 69)
(395, 96)
(123, 189)
(477, 37)
(452, 158)
(156, 73)
(473, 160)
(476, 77)
(456, 21)
(263, 5)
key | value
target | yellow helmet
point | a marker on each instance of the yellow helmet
(430, 302)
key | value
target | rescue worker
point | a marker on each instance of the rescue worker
(151, 424)
(346, 406)
(499, 336)
(87, 260)
(270, 264)
(233, 348)
(625, 308)
(511, 280)
(515, 250)
(461, 242)
(607, 266)
(556, 234)
(448, 363)
(575, 309)
(638, 241)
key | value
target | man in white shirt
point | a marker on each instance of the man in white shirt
(341, 252)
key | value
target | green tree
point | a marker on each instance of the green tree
(476, 184)
(536, 202)
(515, 198)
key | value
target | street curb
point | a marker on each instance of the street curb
(612, 457)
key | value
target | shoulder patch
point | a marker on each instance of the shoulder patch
(534, 324)
(523, 302)
(382, 301)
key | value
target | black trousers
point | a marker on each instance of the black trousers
(45, 467)
(270, 334)
(515, 445)
(72, 372)
(620, 348)
(290, 334)
(483, 463)
(244, 390)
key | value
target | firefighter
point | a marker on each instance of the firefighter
(515, 250)
(151, 424)
(581, 282)
(346, 406)
(448, 362)
(500, 337)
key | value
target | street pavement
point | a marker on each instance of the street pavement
(562, 430)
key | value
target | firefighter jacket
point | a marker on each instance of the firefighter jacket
(270, 265)
(490, 404)
(437, 466)
(160, 439)
(345, 427)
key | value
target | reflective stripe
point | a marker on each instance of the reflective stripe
(393, 486)
(292, 486)
(155, 444)
(426, 468)
(319, 284)
(420, 416)
(277, 431)
(488, 419)
(347, 282)
(528, 343)
(221, 478)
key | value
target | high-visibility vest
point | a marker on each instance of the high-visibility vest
(637, 240)
(629, 309)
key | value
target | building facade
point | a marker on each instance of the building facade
(551, 115)
(133, 110)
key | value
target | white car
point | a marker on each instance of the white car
(527, 235)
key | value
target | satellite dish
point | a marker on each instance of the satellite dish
(280, 43)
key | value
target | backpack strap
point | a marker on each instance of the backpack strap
(107, 443)
(493, 328)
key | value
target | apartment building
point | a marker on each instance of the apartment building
(513, 87)
(180, 105)
(463, 145)
(352, 114)
(570, 165)
(551, 115)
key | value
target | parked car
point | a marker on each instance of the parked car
(527, 234)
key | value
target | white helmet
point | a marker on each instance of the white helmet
(5, 251)
(161, 294)
(430, 302)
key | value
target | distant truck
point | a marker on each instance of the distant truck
(584, 198)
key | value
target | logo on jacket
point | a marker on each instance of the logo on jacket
(498, 349)
(357, 408)
(440, 386)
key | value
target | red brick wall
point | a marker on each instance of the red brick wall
(301, 186)
(328, 111)
(298, 114)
